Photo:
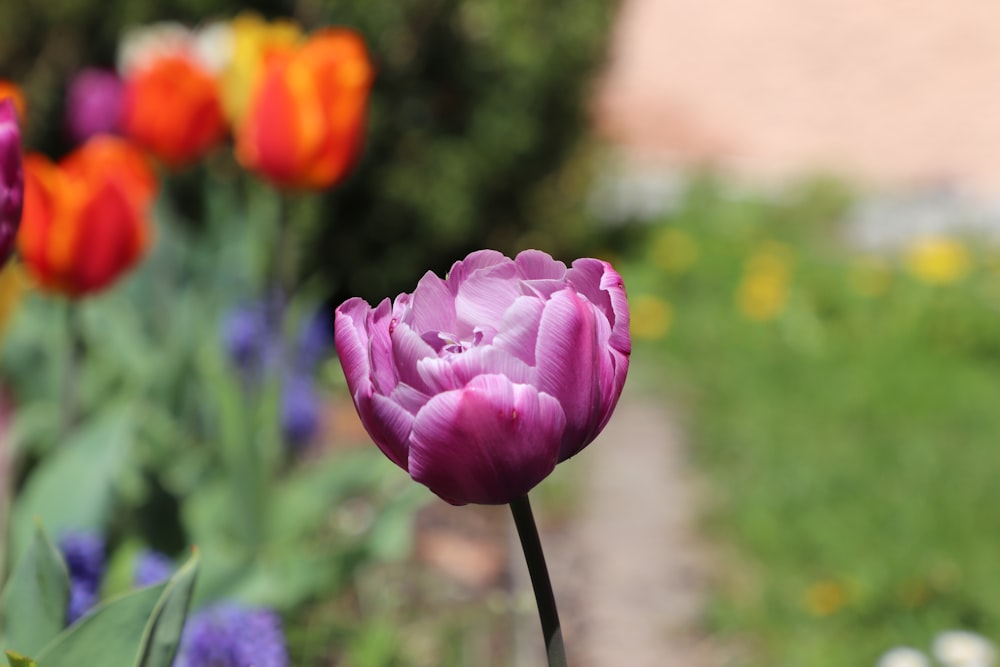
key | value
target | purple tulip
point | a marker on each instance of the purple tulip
(478, 384)
(11, 179)
(93, 104)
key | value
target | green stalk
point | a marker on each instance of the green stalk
(555, 650)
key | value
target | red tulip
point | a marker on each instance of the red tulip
(86, 220)
(172, 107)
(306, 116)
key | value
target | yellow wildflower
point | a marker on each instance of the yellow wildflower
(763, 292)
(651, 317)
(938, 260)
(825, 598)
(674, 251)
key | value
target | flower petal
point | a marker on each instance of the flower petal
(389, 426)
(433, 305)
(571, 360)
(481, 259)
(457, 370)
(350, 337)
(408, 348)
(519, 330)
(537, 265)
(483, 298)
(488, 443)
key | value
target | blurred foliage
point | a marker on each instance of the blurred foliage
(476, 134)
(849, 428)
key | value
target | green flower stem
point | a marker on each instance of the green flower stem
(555, 650)
(75, 352)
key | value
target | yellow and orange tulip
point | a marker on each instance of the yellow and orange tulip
(172, 107)
(306, 116)
(87, 219)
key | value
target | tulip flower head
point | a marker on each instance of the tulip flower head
(93, 104)
(86, 219)
(253, 41)
(173, 109)
(305, 118)
(480, 383)
(11, 178)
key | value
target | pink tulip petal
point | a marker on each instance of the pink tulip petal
(408, 348)
(409, 398)
(457, 370)
(519, 330)
(569, 366)
(483, 298)
(537, 265)
(481, 259)
(433, 305)
(488, 443)
(390, 427)
(542, 289)
(351, 340)
(586, 276)
(383, 368)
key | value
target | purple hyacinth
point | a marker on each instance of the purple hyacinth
(93, 104)
(84, 556)
(314, 341)
(232, 635)
(151, 568)
(252, 338)
(300, 410)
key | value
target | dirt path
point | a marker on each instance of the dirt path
(630, 571)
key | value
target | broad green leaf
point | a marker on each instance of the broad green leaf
(163, 632)
(111, 634)
(33, 604)
(73, 487)
(18, 660)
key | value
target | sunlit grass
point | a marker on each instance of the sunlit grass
(847, 416)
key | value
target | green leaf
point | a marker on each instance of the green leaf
(18, 660)
(33, 604)
(73, 487)
(163, 632)
(111, 634)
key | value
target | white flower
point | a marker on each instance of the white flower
(961, 648)
(903, 656)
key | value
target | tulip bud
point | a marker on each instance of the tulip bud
(478, 384)
(11, 178)
(304, 123)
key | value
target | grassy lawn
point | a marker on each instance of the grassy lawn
(845, 408)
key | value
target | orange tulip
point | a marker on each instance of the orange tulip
(172, 107)
(306, 117)
(86, 220)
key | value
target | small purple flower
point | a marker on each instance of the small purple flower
(93, 104)
(84, 556)
(151, 568)
(11, 179)
(251, 336)
(300, 410)
(315, 340)
(232, 635)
